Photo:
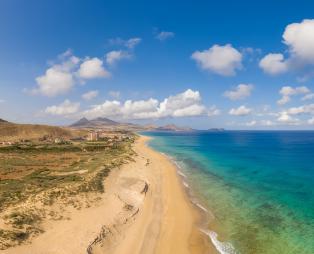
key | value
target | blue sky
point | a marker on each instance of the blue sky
(203, 64)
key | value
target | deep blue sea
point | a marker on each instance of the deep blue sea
(258, 186)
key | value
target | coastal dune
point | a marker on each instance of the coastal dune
(144, 210)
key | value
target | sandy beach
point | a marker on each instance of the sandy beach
(144, 210)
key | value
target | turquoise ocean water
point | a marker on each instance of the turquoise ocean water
(258, 186)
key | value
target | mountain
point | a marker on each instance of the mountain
(150, 126)
(3, 121)
(97, 122)
(172, 127)
(108, 124)
(82, 122)
(104, 123)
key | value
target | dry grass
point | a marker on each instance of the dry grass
(15, 132)
(47, 174)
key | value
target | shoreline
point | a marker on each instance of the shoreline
(205, 216)
(171, 221)
(145, 208)
(198, 241)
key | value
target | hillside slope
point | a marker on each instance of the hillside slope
(12, 131)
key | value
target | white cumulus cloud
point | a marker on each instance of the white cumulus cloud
(108, 109)
(54, 82)
(240, 111)
(311, 121)
(287, 91)
(93, 68)
(222, 60)
(58, 79)
(64, 109)
(177, 104)
(285, 118)
(192, 110)
(240, 92)
(299, 38)
(309, 96)
(142, 109)
(304, 109)
(69, 70)
(264, 122)
(130, 43)
(90, 95)
(183, 104)
(213, 111)
(267, 123)
(115, 56)
(251, 123)
(274, 64)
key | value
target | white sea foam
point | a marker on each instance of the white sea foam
(181, 174)
(201, 207)
(222, 247)
(171, 159)
(186, 184)
(179, 168)
(176, 163)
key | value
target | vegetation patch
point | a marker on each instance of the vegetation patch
(44, 173)
(20, 219)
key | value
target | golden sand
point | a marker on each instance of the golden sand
(144, 210)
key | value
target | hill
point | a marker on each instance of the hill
(15, 132)
(97, 122)
(104, 123)
(3, 121)
(82, 122)
(216, 129)
(172, 127)
(107, 124)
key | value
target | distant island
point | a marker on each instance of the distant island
(216, 129)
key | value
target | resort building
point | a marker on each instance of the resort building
(93, 136)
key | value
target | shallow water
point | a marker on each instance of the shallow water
(259, 186)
